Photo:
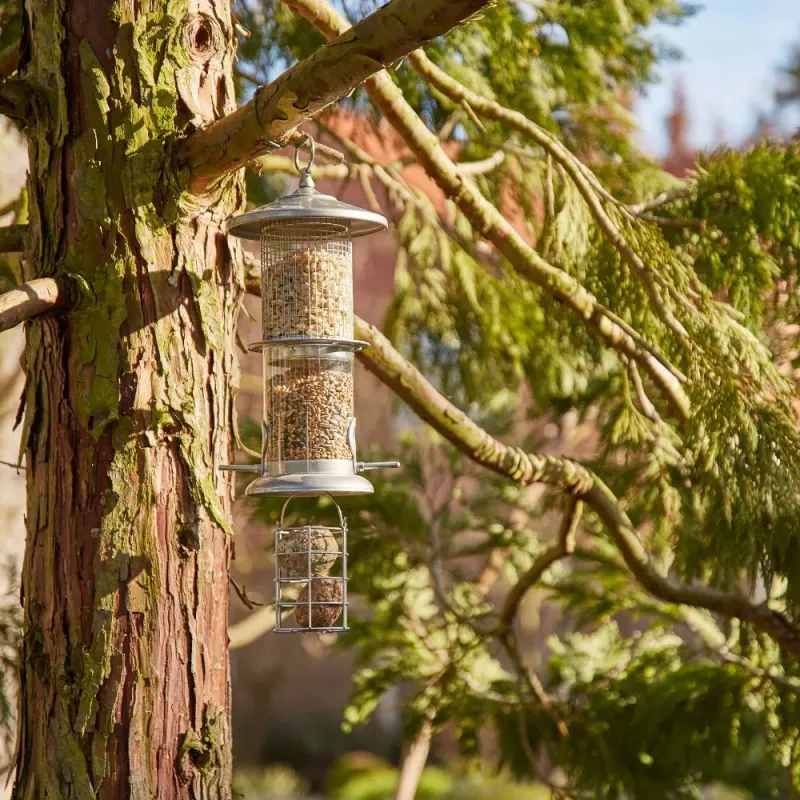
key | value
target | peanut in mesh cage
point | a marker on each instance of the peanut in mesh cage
(311, 576)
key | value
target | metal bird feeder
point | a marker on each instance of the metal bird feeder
(308, 445)
(311, 577)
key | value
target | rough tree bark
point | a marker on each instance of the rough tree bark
(129, 400)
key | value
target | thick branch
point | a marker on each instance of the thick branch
(31, 300)
(570, 477)
(488, 222)
(12, 238)
(332, 72)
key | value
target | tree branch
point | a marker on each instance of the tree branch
(572, 478)
(584, 179)
(662, 199)
(413, 762)
(31, 300)
(12, 238)
(538, 692)
(9, 58)
(332, 72)
(488, 222)
(562, 548)
(252, 627)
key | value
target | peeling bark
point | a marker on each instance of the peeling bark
(129, 400)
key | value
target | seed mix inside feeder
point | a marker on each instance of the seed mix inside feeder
(308, 346)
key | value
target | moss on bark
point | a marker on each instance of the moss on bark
(128, 407)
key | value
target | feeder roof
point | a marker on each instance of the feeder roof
(306, 204)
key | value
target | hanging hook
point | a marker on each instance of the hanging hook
(305, 172)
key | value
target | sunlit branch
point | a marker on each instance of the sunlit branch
(298, 94)
(561, 549)
(567, 476)
(31, 300)
(489, 223)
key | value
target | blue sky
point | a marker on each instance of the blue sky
(731, 51)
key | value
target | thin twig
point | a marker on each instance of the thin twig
(534, 685)
(662, 199)
(669, 222)
(646, 405)
(450, 123)
(242, 592)
(561, 549)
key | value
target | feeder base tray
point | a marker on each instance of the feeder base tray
(309, 485)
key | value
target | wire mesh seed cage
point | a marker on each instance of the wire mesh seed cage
(307, 280)
(311, 576)
(309, 422)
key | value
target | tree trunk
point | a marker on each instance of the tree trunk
(129, 408)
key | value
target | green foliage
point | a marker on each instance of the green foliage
(380, 784)
(653, 713)
(648, 723)
(747, 201)
(479, 330)
(437, 784)
(657, 699)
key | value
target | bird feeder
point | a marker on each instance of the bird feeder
(308, 346)
(311, 576)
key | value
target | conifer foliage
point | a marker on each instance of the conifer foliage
(640, 695)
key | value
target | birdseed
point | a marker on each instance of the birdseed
(308, 292)
(309, 408)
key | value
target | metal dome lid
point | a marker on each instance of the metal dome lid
(307, 205)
